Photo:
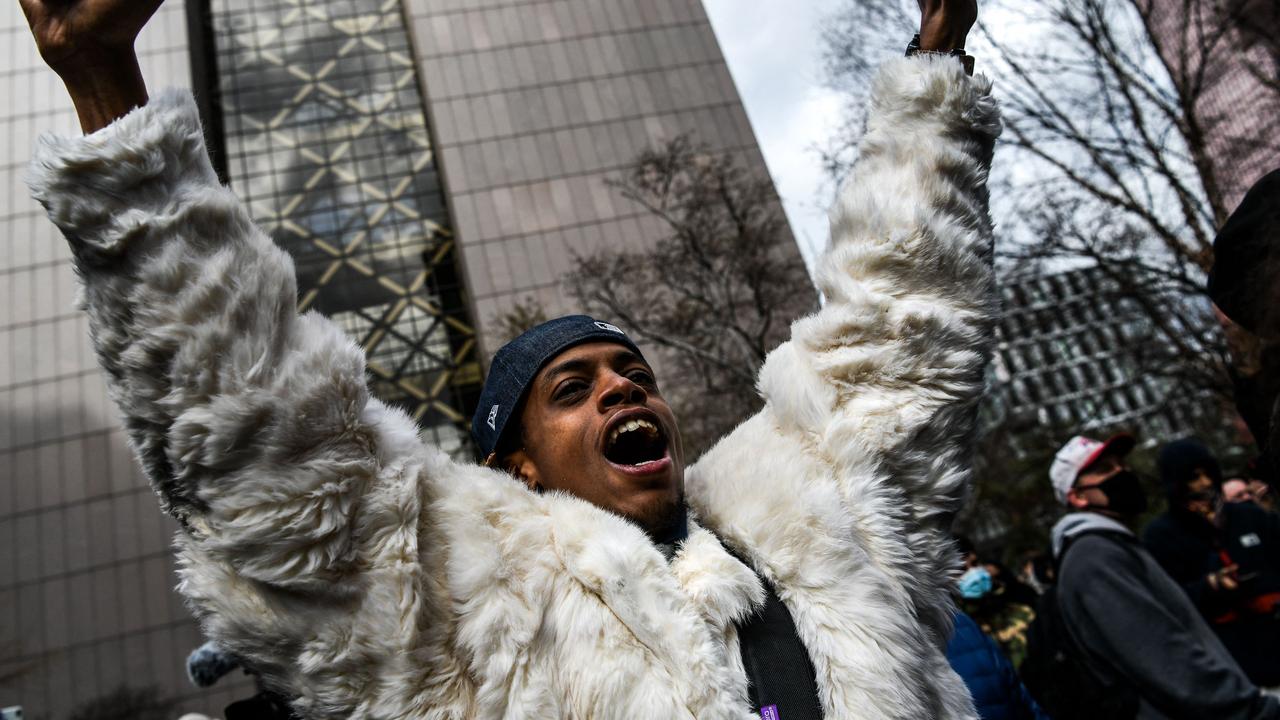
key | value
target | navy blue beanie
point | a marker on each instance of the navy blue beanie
(518, 362)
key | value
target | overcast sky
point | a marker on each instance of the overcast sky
(773, 49)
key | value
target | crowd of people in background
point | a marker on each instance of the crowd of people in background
(1181, 621)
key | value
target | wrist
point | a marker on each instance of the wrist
(104, 87)
(940, 43)
(916, 48)
(945, 25)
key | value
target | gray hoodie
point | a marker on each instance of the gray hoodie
(1138, 629)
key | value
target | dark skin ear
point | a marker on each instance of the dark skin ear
(522, 467)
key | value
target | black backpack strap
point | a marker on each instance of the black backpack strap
(781, 681)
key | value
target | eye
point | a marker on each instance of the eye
(568, 389)
(641, 377)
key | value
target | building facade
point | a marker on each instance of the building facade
(427, 163)
(534, 105)
(86, 577)
(1071, 357)
(1224, 55)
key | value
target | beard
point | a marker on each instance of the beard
(663, 520)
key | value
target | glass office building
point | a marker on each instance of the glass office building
(325, 137)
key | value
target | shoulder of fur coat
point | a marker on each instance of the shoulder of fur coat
(369, 576)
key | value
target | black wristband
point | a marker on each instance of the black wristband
(966, 60)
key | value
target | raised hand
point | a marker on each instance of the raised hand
(945, 24)
(72, 32)
(89, 43)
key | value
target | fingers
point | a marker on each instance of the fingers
(1224, 578)
(1227, 577)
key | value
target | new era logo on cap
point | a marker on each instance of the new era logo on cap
(609, 327)
(493, 417)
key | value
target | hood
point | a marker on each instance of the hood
(1178, 463)
(1076, 523)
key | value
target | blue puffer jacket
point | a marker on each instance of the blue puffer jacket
(997, 692)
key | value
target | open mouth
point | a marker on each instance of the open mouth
(636, 443)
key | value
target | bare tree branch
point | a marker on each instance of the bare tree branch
(715, 294)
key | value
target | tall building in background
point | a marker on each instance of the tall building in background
(1226, 55)
(325, 137)
(427, 163)
(534, 105)
(86, 604)
(1069, 359)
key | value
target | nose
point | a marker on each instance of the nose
(619, 390)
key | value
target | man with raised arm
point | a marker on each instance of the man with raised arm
(800, 569)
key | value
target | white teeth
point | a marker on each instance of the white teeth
(631, 425)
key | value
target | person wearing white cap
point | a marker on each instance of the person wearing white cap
(1127, 620)
(1110, 489)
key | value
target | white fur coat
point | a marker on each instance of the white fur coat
(373, 577)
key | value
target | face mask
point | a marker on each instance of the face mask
(1207, 496)
(975, 582)
(1124, 494)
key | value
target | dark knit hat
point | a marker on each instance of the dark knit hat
(518, 362)
(1245, 279)
(1178, 462)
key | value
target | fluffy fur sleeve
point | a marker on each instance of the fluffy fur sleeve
(885, 379)
(253, 423)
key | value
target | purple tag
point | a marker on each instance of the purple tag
(770, 712)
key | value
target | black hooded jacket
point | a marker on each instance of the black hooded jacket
(1185, 543)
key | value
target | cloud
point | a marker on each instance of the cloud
(773, 49)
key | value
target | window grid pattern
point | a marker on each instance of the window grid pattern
(328, 144)
(1232, 50)
(1067, 357)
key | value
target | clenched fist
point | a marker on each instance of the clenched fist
(89, 43)
(73, 32)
